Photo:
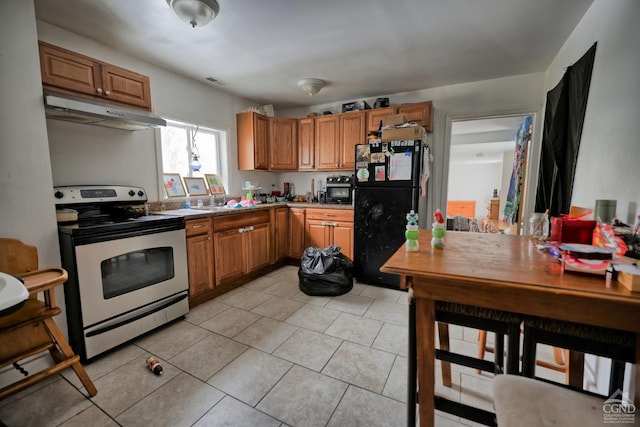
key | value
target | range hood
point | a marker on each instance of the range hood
(60, 106)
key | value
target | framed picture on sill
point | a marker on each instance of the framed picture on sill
(215, 183)
(173, 185)
(196, 186)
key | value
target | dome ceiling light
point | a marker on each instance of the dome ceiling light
(195, 12)
(311, 86)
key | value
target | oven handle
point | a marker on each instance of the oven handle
(136, 317)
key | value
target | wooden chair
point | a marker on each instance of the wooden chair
(31, 329)
(560, 356)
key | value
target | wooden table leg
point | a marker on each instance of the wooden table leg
(575, 369)
(426, 347)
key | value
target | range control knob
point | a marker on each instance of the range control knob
(58, 194)
(140, 193)
(132, 193)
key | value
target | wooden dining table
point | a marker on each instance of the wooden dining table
(509, 273)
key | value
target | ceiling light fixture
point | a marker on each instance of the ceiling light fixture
(195, 12)
(311, 86)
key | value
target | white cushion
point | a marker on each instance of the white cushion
(525, 402)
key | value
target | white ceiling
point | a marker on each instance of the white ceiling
(362, 49)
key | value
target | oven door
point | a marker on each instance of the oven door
(339, 194)
(122, 275)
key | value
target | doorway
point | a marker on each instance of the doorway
(480, 167)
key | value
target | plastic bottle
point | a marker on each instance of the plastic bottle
(437, 230)
(187, 202)
(411, 234)
(154, 365)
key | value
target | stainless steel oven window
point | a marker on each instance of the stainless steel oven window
(342, 193)
(135, 270)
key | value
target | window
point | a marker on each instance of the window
(182, 143)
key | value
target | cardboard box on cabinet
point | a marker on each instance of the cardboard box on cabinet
(403, 134)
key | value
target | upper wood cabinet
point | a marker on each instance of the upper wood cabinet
(72, 72)
(306, 143)
(327, 141)
(335, 139)
(352, 132)
(283, 144)
(420, 113)
(253, 140)
(374, 117)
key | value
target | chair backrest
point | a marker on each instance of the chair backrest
(17, 257)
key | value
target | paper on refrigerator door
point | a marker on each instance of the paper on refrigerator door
(400, 164)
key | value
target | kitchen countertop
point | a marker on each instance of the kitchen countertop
(196, 213)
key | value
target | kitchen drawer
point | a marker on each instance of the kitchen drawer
(196, 227)
(240, 220)
(330, 214)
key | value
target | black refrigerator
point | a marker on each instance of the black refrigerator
(387, 187)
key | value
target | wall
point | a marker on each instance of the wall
(27, 210)
(83, 154)
(474, 181)
(607, 165)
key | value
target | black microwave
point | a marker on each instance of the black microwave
(340, 189)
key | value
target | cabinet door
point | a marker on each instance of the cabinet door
(282, 229)
(374, 117)
(200, 263)
(68, 70)
(317, 234)
(343, 237)
(352, 132)
(283, 144)
(257, 247)
(296, 233)
(253, 136)
(229, 255)
(420, 113)
(327, 153)
(306, 138)
(125, 86)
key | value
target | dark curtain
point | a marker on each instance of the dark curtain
(564, 117)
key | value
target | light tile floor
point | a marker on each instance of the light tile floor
(264, 354)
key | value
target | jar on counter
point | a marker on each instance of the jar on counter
(539, 227)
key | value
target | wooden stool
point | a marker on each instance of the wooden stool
(525, 402)
(619, 346)
(502, 323)
(560, 356)
(31, 329)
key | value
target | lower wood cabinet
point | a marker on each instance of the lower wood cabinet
(296, 232)
(200, 256)
(281, 231)
(324, 227)
(242, 245)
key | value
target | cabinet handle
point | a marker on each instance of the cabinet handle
(209, 238)
(193, 227)
(241, 230)
(329, 215)
(99, 90)
(250, 228)
(107, 93)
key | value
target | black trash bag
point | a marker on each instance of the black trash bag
(325, 272)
